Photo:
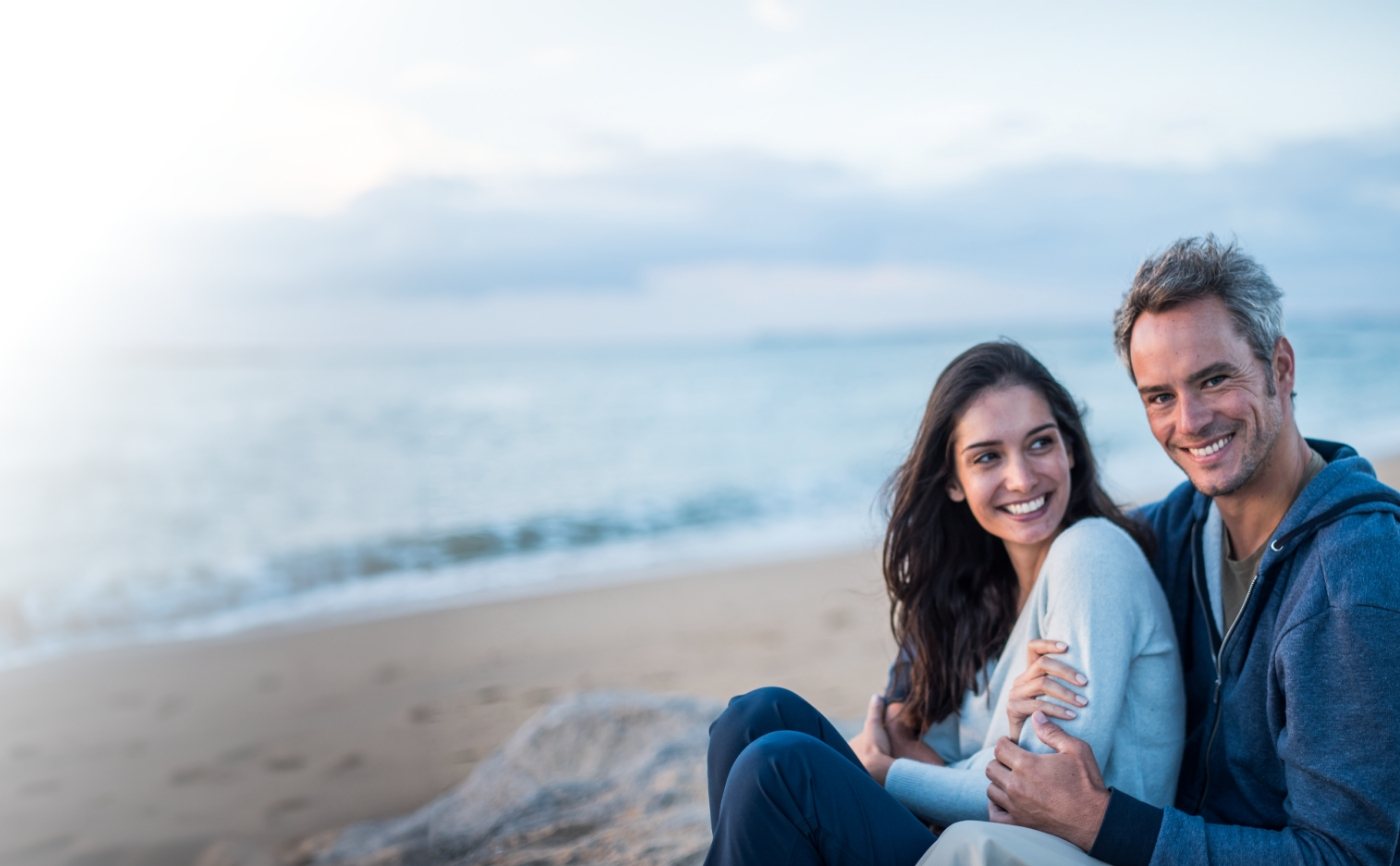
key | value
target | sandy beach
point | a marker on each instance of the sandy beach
(145, 754)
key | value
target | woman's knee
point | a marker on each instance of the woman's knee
(788, 758)
(771, 708)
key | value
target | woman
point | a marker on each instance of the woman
(1015, 585)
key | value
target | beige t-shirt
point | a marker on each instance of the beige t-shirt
(1236, 575)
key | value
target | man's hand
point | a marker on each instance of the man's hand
(1061, 793)
(872, 744)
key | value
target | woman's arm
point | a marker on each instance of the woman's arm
(1097, 598)
(1097, 595)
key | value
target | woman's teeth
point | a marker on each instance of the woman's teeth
(1027, 507)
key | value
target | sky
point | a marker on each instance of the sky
(363, 173)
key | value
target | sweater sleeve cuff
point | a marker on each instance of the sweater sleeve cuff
(901, 783)
(1128, 835)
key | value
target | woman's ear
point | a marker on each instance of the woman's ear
(955, 491)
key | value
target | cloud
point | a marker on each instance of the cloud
(732, 244)
(776, 15)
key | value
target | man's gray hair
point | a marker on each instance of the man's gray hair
(1195, 268)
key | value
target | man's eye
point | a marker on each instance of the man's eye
(1158, 399)
(1213, 381)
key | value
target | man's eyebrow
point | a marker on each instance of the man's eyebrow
(1219, 368)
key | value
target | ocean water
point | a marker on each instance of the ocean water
(179, 494)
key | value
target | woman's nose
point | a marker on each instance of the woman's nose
(1018, 474)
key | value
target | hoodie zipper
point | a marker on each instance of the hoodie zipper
(1219, 679)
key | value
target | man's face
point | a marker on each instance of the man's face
(1208, 399)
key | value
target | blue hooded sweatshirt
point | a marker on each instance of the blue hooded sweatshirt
(1293, 715)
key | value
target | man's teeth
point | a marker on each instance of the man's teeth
(1211, 448)
(1027, 507)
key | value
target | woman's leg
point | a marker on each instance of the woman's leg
(750, 716)
(793, 799)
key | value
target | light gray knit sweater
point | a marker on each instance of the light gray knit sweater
(1096, 593)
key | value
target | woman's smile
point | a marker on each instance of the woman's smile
(1028, 508)
(1012, 470)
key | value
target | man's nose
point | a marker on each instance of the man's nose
(1193, 415)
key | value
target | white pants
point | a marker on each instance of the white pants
(982, 843)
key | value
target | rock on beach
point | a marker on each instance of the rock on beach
(606, 777)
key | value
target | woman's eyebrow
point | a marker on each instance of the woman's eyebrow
(1049, 425)
(984, 444)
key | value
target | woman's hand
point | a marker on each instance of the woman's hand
(872, 744)
(905, 742)
(1043, 677)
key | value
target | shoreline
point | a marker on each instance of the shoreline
(147, 753)
(202, 632)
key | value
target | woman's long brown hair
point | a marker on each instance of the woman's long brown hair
(952, 589)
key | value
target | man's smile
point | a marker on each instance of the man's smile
(1209, 448)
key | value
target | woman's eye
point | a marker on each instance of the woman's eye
(1041, 443)
(985, 457)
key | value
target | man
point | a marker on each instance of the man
(1281, 563)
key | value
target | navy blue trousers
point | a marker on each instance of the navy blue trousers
(785, 788)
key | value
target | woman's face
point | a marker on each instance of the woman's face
(1011, 466)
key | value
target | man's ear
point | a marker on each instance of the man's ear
(955, 491)
(1283, 369)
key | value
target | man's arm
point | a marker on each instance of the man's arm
(1340, 750)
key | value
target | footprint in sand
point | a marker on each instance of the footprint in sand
(465, 756)
(348, 763)
(285, 763)
(388, 672)
(539, 696)
(238, 754)
(491, 694)
(199, 775)
(283, 808)
(423, 714)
